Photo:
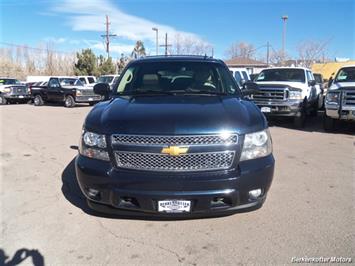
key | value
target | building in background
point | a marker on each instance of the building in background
(253, 66)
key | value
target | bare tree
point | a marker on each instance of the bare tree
(278, 57)
(241, 49)
(189, 45)
(22, 61)
(310, 51)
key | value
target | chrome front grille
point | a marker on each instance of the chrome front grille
(270, 94)
(183, 140)
(19, 90)
(184, 162)
(349, 98)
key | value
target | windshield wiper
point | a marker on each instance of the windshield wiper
(145, 93)
(195, 91)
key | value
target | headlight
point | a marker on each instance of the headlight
(78, 92)
(6, 90)
(93, 145)
(256, 145)
(295, 95)
(332, 98)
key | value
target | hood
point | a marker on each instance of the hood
(342, 85)
(298, 85)
(170, 115)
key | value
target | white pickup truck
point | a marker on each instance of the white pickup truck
(288, 91)
(340, 98)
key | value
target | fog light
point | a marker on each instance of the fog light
(93, 193)
(254, 194)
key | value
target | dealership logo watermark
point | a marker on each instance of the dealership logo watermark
(321, 260)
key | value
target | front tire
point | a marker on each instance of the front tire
(300, 120)
(3, 101)
(328, 123)
(69, 101)
(38, 101)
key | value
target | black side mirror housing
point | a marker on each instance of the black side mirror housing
(312, 83)
(249, 88)
(102, 89)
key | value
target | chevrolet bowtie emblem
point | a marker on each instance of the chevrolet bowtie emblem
(174, 150)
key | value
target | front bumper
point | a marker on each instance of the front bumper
(88, 98)
(280, 108)
(347, 113)
(144, 188)
(20, 97)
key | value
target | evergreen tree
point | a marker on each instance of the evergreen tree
(86, 63)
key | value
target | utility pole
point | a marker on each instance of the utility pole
(156, 41)
(166, 45)
(107, 36)
(284, 19)
(267, 53)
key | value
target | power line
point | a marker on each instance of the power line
(34, 48)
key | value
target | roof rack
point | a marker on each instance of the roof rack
(180, 55)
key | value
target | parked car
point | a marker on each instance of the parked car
(67, 90)
(340, 98)
(287, 91)
(176, 137)
(89, 81)
(240, 74)
(109, 79)
(13, 91)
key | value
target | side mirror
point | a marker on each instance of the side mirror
(242, 82)
(312, 83)
(249, 88)
(102, 89)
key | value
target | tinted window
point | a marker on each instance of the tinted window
(237, 77)
(318, 78)
(292, 75)
(105, 79)
(91, 80)
(83, 80)
(245, 76)
(346, 75)
(177, 77)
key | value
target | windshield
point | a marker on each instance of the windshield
(292, 75)
(177, 77)
(105, 79)
(346, 75)
(70, 82)
(9, 81)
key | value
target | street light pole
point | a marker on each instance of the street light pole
(156, 40)
(284, 19)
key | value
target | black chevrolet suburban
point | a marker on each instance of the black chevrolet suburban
(176, 138)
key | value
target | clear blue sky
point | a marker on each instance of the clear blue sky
(71, 25)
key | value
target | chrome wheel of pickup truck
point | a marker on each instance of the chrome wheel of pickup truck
(38, 101)
(69, 101)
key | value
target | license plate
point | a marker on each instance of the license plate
(21, 96)
(91, 99)
(174, 206)
(266, 109)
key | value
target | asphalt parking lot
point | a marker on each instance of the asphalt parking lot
(309, 212)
